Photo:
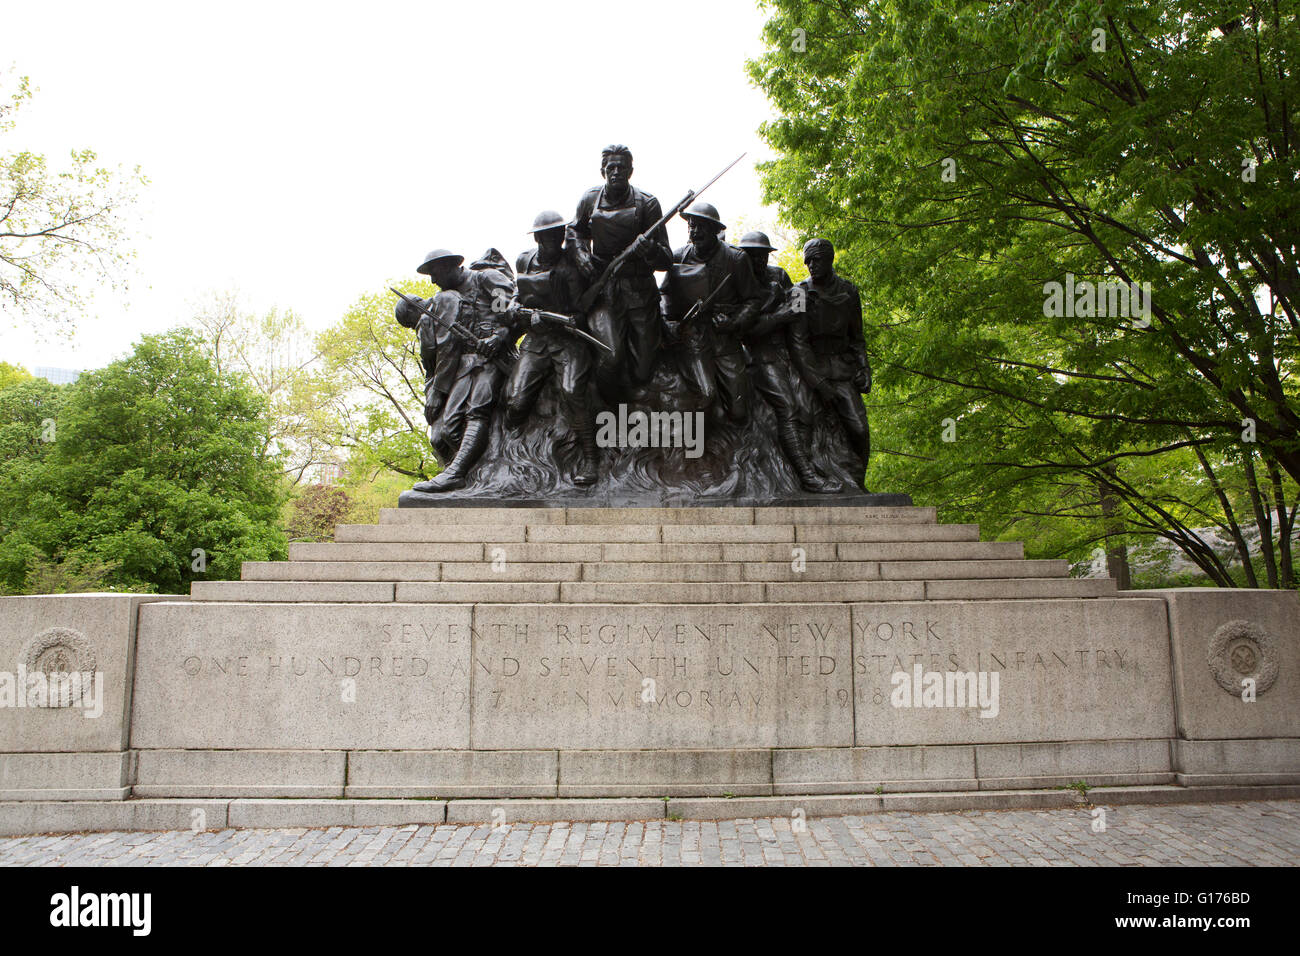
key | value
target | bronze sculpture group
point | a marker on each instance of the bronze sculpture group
(722, 334)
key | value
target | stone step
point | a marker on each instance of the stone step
(940, 570)
(511, 552)
(297, 592)
(992, 589)
(651, 533)
(647, 592)
(658, 516)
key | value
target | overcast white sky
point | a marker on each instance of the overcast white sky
(303, 153)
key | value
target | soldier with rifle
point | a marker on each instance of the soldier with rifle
(773, 372)
(828, 349)
(472, 320)
(549, 289)
(720, 279)
(611, 219)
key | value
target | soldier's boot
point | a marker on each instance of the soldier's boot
(803, 467)
(588, 467)
(471, 446)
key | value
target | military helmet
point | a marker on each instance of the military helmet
(548, 219)
(704, 210)
(434, 256)
(755, 240)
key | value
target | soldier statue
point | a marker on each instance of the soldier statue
(473, 312)
(710, 297)
(548, 281)
(774, 375)
(611, 218)
(828, 348)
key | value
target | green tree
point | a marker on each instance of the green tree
(157, 471)
(374, 385)
(59, 228)
(12, 375)
(276, 356)
(963, 156)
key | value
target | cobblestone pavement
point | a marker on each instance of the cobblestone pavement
(1264, 833)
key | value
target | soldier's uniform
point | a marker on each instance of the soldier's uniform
(487, 298)
(626, 316)
(548, 349)
(440, 355)
(712, 359)
(774, 374)
(830, 354)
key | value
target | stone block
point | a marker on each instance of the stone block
(727, 534)
(660, 592)
(639, 773)
(1247, 756)
(895, 514)
(712, 677)
(65, 633)
(276, 814)
(80, 816)
(64, 776)
(1222, 636)
(294, 592)
(471, 533)
(427, 552)
(931, 551)
(1002, 589)
(595, 534)
(239, 773)
(687, 572)
(1093, 669)
(795, 592)
(467, 592)
(862, 769)
(452, 773)
(507, 812)
(302, 677)
(1097, 762)
(446, 517)
(915, 531)
(968, 570)
(507, 571)
(661, 516)
(341, 571)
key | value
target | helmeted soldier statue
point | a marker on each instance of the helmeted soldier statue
(609, 219)
(773, 372)
(828, 348)
(720, 279)
(548, 281)
(465, 381)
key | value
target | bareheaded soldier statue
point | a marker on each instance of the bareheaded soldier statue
(548, 281)
(483, 314)
(611, 218)
(828, 348)
(774, 375)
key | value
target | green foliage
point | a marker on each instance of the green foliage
(12, 375)
(154, 457)
(1102, 139)
(316, 511)
(372, 367)
(57, 226)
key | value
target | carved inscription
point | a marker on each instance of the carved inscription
(660, 676)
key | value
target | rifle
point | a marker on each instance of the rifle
(455, 327)
(702, 304)
(566, 322)
(588, 298)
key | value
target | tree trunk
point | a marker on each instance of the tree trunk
(1116, 551)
